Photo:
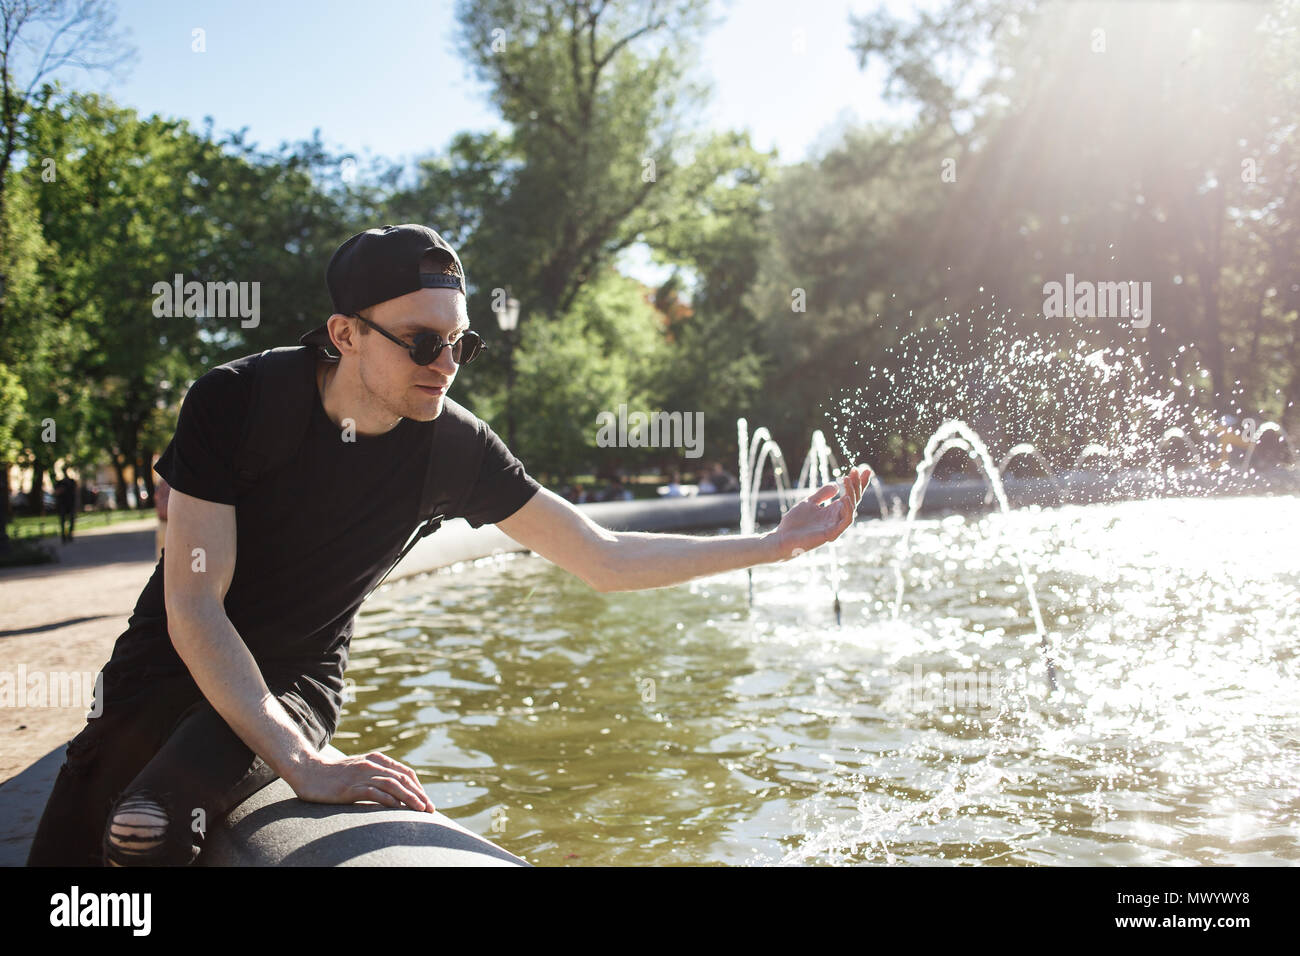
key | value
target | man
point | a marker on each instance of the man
(230, 672)
(65, 503)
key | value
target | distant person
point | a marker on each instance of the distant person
(721, 480)
(675, 489)
(706, 485)
(65, 503)
(1229, 436)
(618, 492)
(161, 492)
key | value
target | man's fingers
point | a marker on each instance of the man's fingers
(383, 758)
(395, 788)
(405, 773)
(393, 794)
(824, 493)
(864, 476)
(412, 793)
(376, 794)
(396, 779)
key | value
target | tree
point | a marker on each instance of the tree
(850, 270)
(603, 352)
(38, 38)
(1119, 145)
(1128, 144)
(598, 100)
(716, 361)
(137, 202)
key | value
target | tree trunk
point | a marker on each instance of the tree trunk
(1252, 356)
(1210, 271)
(1287, 415)
(146, 474)
(120, 472)
(4, 512)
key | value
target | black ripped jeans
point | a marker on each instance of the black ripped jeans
(144, 781)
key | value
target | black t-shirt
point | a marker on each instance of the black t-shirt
(313, 537)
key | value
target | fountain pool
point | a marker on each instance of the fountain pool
(685, 726)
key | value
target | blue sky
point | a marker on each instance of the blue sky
(383, 78)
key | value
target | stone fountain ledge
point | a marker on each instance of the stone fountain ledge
(274, 828)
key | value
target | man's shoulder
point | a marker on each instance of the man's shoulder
(221, 390)
(233, 380)
(234, 374)
(247, 364)
(243, 365)
(454, 411)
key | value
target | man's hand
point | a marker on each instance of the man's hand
(817, 519)
(376, 776)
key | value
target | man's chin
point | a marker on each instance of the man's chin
(426, 411)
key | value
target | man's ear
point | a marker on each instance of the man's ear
(343, 332)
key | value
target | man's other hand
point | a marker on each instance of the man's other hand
(376, 777)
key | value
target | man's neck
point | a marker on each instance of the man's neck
(334, 399)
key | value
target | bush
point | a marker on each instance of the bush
(23, 552)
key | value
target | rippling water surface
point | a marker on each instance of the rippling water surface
(681, 726)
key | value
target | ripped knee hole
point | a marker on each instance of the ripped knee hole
(138, 825)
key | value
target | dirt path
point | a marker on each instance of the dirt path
(66, 617)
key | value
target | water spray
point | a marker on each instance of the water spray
(818, 466)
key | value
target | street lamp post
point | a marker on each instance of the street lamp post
(508, 319)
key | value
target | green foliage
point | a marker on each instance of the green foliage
(124, 198)
(597, 96)
(603, 352)
(128, 203)
(13, 409)
(716, 361)
(847, 272)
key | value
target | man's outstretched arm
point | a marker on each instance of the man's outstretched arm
(634, 560)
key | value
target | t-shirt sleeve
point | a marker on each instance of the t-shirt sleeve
(503, 486)
(200, 459)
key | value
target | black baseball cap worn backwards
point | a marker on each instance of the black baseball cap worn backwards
(381, 264)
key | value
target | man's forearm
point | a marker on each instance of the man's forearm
(230, 679)
(638, 559)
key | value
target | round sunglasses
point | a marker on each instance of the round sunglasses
(427, 346)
